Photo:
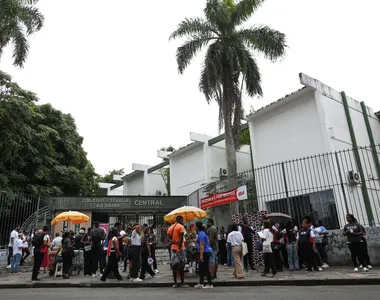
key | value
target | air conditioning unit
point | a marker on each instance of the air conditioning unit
(158, 193)
(353, 177)
(223, 172)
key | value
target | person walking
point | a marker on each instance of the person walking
(97, 235)
(175, 236)
(212, 233)
(353, 231)
(205, 251)
(235, 238)
(113, 254)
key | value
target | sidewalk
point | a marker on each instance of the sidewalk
(331, 276)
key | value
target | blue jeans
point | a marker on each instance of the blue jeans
(292, 256)
(15, 262)
(230, 257)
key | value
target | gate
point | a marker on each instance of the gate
(146, 218)
(128, 219)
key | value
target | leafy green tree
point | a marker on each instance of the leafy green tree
(18, 20)
(40, 149)
(108, 178)
(230, 66)
(165, 172)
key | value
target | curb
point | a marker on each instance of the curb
(274, 282)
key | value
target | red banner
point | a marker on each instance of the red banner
(224, 198)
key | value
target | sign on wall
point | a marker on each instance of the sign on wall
(224, 198)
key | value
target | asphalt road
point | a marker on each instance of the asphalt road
(236, 293)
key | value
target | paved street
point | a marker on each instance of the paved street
(262, 293)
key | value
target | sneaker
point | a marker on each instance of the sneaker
(184, 285)
(206, 287)
(131, 279)
(325, 266)
(365, 270)
(369, 267)
(199, 286)
(9, 266)
(356, 270)
(156, 271)
(320, 269)
(361, 267)
(175, 286)
(137, 280)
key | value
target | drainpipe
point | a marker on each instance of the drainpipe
(367, 203)
(371, 139)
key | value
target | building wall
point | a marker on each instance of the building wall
(135, 185)
(153, 183)
(187, 171)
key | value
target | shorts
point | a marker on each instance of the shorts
(214, 258)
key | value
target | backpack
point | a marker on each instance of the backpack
(38, 240)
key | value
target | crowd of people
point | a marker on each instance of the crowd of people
(194, 248)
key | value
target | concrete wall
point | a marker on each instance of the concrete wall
(134, 186)
(153, 182)
(339, 254)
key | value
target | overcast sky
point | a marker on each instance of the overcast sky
(110, 64)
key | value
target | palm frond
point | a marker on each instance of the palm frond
(217, 13)
(252, 77)
(193, 26)
(32, 19)
(187, 51)
(243, 10)
(266, 40)
(21, 46)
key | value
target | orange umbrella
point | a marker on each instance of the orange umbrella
(74, 217)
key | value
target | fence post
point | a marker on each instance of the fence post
(341, 182)
(286, 190)
(38, 208)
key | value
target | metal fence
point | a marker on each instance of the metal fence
(15, 209)
(325, 187)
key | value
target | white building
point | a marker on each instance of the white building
(110, 189)
(143, 181)
(311, 121)
(202, 162)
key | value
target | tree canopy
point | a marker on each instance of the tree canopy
(18, 20)
(108, 178)
(40, 149)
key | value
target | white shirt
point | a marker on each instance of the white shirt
(57, 242)
(136, 241)
(123, 233)
(46, 238)
(17, 247)
(235, 238)
(268, 235)
(14, 235)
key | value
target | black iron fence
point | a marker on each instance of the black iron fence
(325, 187)
(15, 209)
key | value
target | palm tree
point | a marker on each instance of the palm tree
(229, 67)
(18, 19)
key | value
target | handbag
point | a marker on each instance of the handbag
(259, 246)
(267, 246)
(276, 246)
(245, 248)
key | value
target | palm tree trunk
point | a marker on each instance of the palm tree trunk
(229, 138)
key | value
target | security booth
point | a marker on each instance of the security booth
(108, 210)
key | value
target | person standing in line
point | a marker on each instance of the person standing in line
(365, 246)
(97, 235)
(86, 241)
(45, 249)
(306, 245)
(38, 244)
(235, 238)
(176, 237)
(230, 258)
(17, 252)
(353, 231)
(153, 244)
(205, 251)
(247, 232)
(212, 233)
(267, 250)
(113, 253)
(67, 255)
(291, 238)
(12, 239)
(136, 253)
(222, 240)
(146, 252)
(25, 249)
(320, 232)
